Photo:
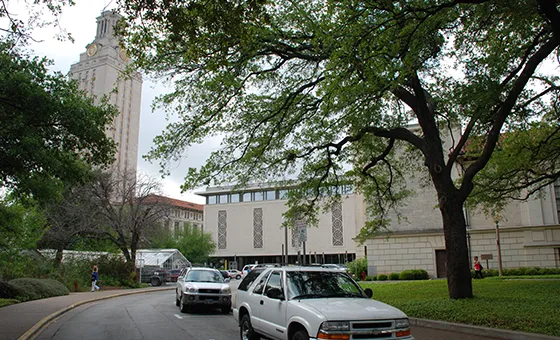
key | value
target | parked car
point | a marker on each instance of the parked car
(247, 268)
(335, 266)
(159, 277)
(235, 274)
(302, 303)
(173, 275)
(202, 286)
(225, 273)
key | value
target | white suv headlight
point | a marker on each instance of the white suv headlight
(191, 290)
(226, 290)
(330, 326)
(402, 323)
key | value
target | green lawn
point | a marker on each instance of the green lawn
(520, 305)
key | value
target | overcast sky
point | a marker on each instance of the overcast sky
(80, 21)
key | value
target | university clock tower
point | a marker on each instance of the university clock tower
(100, 73)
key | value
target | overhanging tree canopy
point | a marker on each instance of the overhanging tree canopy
(307, 88)
(49, 131)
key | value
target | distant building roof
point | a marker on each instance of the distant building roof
(178, 203)
(77, 254)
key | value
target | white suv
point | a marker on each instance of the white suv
(202, 286)
(303, 303)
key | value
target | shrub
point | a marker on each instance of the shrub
(33, 289)
(512, 272)
(532, 271)
(7, 290)
(545, 271)
(393, 276)
(406, 275)
(382, 277)
(370, 278)
(357, 267)
(414, 274)
(490, 272)
(420, 274)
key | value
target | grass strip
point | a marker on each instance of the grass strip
(7, 302)
(519, 305)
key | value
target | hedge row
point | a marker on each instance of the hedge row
(421, 274)
(523, 271)
(31, 289)
(410, 274)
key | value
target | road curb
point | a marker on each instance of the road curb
(479, 330)
(29, 335)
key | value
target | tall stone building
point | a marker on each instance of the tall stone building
(100, 73)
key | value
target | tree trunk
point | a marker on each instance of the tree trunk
(459, 281)
(58, 256)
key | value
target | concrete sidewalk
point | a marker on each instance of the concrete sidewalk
(24, 320)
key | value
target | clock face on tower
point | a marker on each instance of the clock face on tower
(91, 49)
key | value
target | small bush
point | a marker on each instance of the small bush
(34, 289)
(512, 272)
(382, 277)
(544, 271)
(414, 274)
(375, 278)
(369, 278)
(420, 274)
(393, 276)
(406, 275)
(358, 266)
(7, 290)
(532, 271)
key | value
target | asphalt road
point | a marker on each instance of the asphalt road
(155, 316)
(143, 316)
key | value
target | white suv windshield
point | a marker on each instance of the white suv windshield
(314, 284)
(203, 276)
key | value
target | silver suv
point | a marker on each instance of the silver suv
(202, 286)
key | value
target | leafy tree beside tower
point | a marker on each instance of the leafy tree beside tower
(311, 89)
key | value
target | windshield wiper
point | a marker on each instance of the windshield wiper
(309, 296)
(347, 294)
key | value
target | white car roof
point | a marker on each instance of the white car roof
(203, 268)
(305, 269)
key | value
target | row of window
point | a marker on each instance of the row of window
(264, 195)
(187, 214)
(179, 227)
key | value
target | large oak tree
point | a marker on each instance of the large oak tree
(307, 89)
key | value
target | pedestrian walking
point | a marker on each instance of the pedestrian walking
(477, 268)
(94, 279)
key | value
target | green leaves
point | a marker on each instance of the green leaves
(319, 93)
(51, 133)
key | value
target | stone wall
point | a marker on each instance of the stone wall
(520, 247)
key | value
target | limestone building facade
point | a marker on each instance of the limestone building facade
(245, 224)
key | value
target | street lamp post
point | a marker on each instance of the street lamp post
(498, 246)
(286, 245)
